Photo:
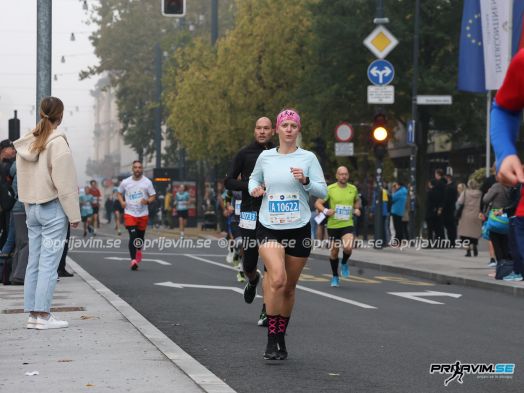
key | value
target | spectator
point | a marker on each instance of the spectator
(398, 207)
(498, 197)
(62, 272)
(433, 207)
(7, 157)
(448, 211)
(486, 185)
(47, 185)
(470, 224)
(7, 236)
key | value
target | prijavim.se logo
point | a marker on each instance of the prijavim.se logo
(457, 370)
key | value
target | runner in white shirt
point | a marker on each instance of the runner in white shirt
(134, 194)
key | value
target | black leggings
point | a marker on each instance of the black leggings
(136, 240)
(500, 245)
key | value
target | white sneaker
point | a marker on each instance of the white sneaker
(31, 322)
(50, 323)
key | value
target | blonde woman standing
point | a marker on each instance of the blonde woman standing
(47, 185)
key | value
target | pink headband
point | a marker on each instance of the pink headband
(288, 114)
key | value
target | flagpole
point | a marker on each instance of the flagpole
(488, 140)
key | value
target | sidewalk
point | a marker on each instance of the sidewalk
(108, 346)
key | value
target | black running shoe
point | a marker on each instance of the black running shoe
(281, 342)
(250, 290)
(272, 348)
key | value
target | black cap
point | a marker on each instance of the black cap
(5, 144)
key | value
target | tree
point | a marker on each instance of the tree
(214, 97)
(124, 42)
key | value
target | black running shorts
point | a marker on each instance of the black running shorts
(339, 233)
(297, 242)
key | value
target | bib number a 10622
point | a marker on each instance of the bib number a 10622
(283, 209)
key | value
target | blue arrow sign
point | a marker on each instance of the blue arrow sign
(411, 132)
(381, 72)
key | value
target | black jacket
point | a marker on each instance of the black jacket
(243, 165)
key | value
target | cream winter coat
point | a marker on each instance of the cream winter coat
(45, 176)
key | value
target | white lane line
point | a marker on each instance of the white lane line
(320, 293)
(159, 261)
(179, 285)
(212, 262)
(334, 297)
(418, 296)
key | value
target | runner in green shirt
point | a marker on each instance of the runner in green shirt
(343, 201)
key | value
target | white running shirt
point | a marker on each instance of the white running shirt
(134, 191)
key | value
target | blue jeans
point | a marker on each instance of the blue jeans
(47, 228)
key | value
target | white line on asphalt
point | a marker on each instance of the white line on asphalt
(212, 262)
(203, 377)
(334, 297)
(178, 285)
(159, 261)
(320, 293)
(418, 296)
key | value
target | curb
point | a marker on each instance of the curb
(437, 277)
(201, 376)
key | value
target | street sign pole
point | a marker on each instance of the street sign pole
(43, 52)
(414, 118)
(378, 226)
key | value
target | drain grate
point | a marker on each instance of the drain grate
(53, 309)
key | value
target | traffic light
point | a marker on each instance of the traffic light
(176, 8)
(379, 135)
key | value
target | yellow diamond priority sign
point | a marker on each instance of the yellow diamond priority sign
(380, 42)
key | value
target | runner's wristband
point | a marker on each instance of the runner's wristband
(325, 211)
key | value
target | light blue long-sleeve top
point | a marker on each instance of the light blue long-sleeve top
(285, 203)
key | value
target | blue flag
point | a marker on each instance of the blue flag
(518, 28)
(471, 74)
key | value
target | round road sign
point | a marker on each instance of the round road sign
(344, 132)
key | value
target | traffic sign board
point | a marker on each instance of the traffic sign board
(344, 149)
(380, 42)
(434, 100)
(344, 132)
(381, 94)
(411, 132)
(381, 72)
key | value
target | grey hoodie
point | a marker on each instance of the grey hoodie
(45, 176)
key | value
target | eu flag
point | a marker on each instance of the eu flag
(518, 26)
(471, 54)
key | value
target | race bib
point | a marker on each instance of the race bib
(343, 212)
(248, 220)
(237, 207)
(283, 208)
(135, 196)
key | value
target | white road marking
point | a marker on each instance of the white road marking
(419, 296)
(178, 285)
(320, 293)
(159, 261)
